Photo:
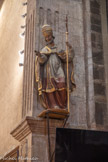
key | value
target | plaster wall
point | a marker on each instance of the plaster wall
(11, 74)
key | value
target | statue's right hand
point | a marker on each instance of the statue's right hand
(37, 53)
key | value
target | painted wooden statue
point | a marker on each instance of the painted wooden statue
(51, 74)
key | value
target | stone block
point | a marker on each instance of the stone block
(100, 98)
(98, 58)
(96, 28)
(93, 37)
(100, 111)
(95, 10)
(96, 54)
(95, 3)
(95, 20)
(94, 44)
(73, 118)
(99, 73)
(97, 46)
(98, 17)
(99, 89)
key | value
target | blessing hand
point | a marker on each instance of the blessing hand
(37, 53)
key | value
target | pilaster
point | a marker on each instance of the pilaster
(33, 137)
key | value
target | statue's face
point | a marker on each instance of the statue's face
(49, 39)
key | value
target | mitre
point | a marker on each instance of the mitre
(47, 30)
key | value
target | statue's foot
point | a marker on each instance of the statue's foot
(56, 107)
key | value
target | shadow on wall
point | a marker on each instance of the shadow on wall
(1, 3)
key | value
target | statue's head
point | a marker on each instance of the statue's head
(48, 33)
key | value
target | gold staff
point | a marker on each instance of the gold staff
(67, 56)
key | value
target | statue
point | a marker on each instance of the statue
(50, 72)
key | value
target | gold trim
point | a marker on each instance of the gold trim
(61, 89)
(36, 69)
(52, 90)
(37, 75)
(72, 78)
(50, 51)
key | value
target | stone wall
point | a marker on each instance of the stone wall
(98, 63)
(85, 35)
(54, 13)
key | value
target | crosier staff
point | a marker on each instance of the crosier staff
(67, 65)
